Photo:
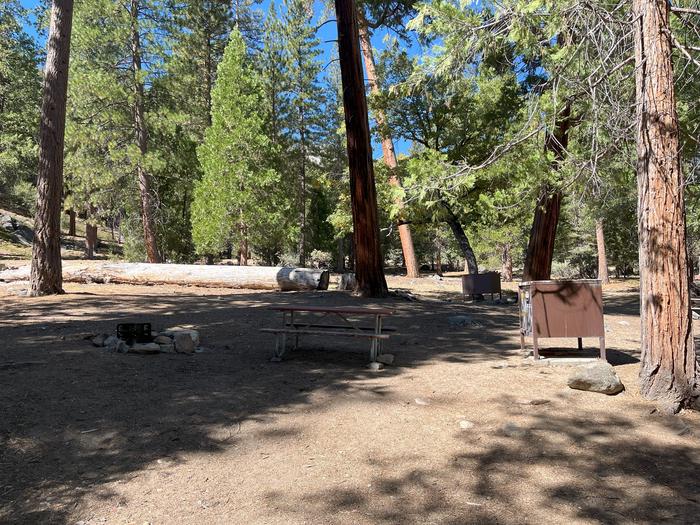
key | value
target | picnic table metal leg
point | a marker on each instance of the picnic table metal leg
(296, 336)
(580, 344)
(603, 355)
(535, 348)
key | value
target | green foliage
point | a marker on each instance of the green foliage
(19, 106)
(234, 200)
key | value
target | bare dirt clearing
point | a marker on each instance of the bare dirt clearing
(461, 430)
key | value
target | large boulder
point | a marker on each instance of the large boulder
(596, 377)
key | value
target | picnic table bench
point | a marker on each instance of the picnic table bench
(333, 321)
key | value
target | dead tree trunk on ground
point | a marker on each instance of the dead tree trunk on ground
(602, 257)
(669, 371)
(369, 269)
(144, 178)
(409, 253)
(46, 277)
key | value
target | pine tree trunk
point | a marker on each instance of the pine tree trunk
(71, 223)
(144, 178)
(302, 187)
(602, 257)
(409, 253)
(669, 370)
(438, 260)
(369, 270)
(46, 277)
(90, 240)
(340, 255)
(506, 263)
(540, 246)
(243, 248)
(470, 265)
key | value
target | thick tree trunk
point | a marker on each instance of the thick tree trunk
(540, 246)
(71, 222)
(470, 265)
(90, 240)
(369, 270)
(438, 260)
(144, 178)
(340, 255)
(46, 248)
(409, 253)
(602, 257)
(249, 277)
(669, 370)
(506, 263)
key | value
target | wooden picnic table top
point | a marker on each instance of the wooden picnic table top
(334, 309)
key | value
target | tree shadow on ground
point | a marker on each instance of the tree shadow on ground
(76, 418)
(600, 469)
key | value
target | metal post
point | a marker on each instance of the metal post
(603, 355)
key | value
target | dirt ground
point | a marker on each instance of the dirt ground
(228, 437)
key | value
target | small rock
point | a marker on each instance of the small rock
(385, 359)
(99, 339)
(200, 350)
(511, 300)
(596, 377)
(533, 402)
(111, 340)
(184, 343)
(375, 366)
(696, 315)
(420, 401)
(623, 323)
(466, 425)
(144, 348)
(462, 320)
(512, 430)
(173, 332)
(163, 340)
(167, 348)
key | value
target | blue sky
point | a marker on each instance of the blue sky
(327, 33)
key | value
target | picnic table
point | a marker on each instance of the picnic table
(330, 321)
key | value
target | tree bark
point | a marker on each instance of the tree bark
(669, 370)
(438, 259)
(340, 255)
(90, 240)
(506, 263)
(540, 246)
(602, 257)
(245, 277)
(140, 130)
(369, 269)
(46, 276)
(71, 222)
(389, 154)
(470, 265)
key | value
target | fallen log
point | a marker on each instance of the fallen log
(211, 276)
